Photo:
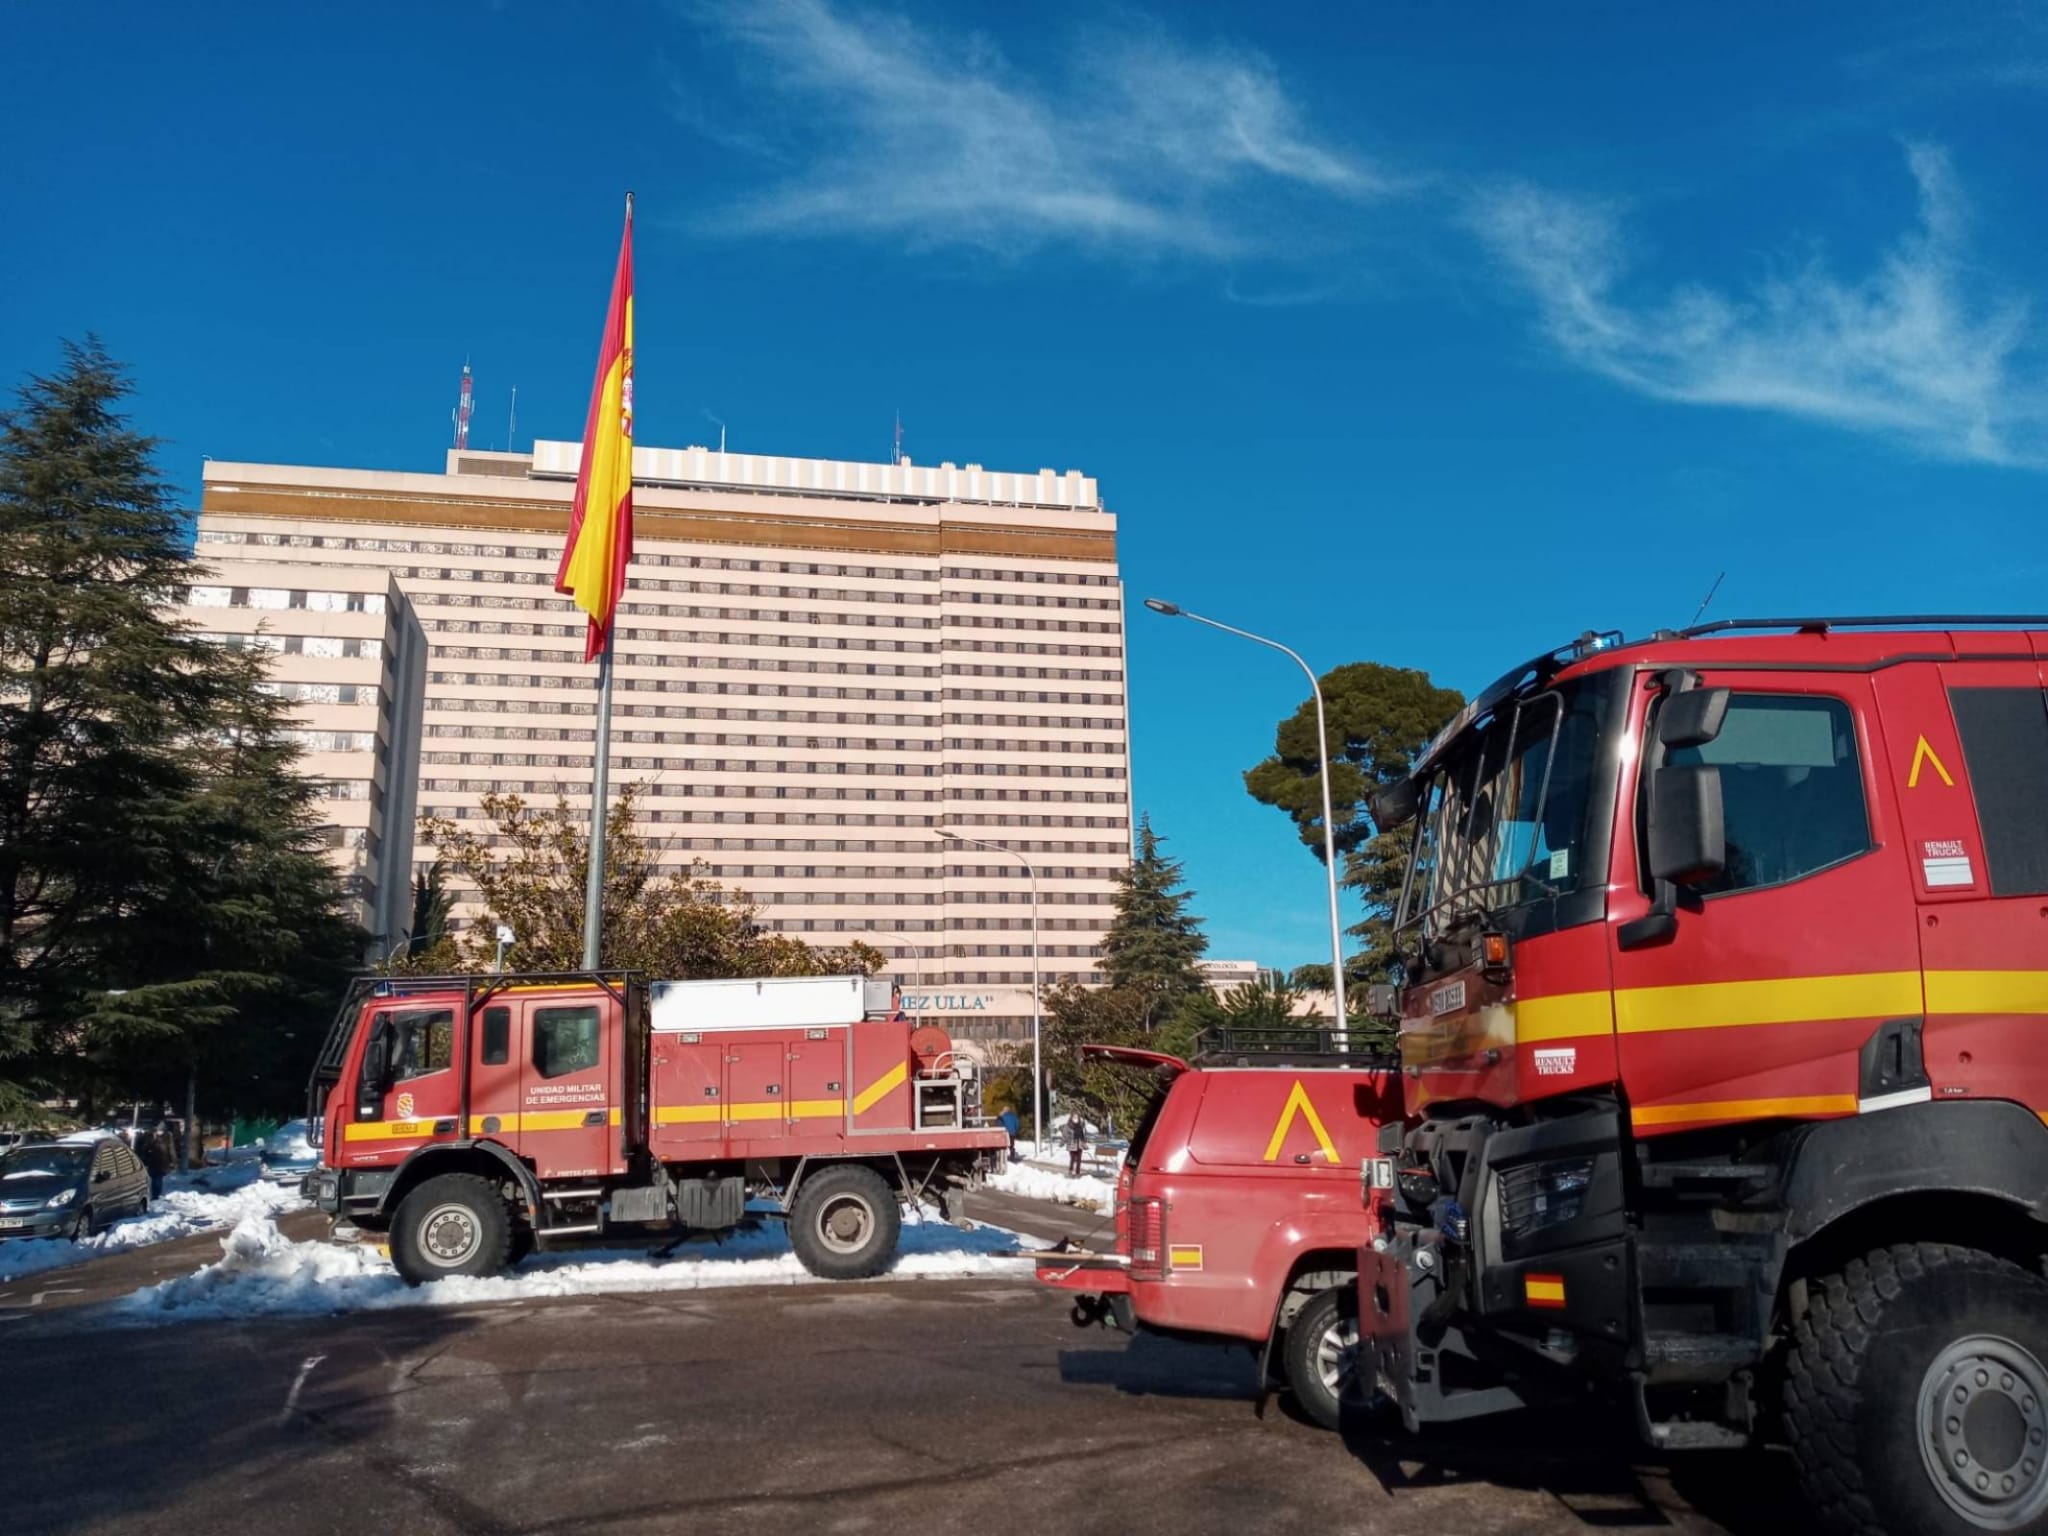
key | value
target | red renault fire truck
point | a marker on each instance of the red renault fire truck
(1724, 1032)
(473, 1118)
(1237, 1212)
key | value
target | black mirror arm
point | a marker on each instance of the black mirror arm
(1655, 926)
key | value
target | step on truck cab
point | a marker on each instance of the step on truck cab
(473, 1119)
(1724, 1036)
(1237, 1210)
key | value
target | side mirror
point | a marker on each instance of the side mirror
(1688, 843)
(1693, 718)
(1395, 805)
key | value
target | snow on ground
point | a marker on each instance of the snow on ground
(202, 1201)
(262, 1272)
(1039, 1181)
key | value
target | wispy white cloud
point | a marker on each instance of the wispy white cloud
(1149, 145)
(1909, 351)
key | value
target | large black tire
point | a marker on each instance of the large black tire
(455, 1224)
(1321, 1353)
(1916, 1394)
(845, 1223)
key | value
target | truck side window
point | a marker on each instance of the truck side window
(2005, 744)
(497, 1044)
(564, 1040)
(1791, 789)
(426, 1043)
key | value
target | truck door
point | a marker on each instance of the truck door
(497, 1073)
(1787, 964)
(571, 1102)
(408, 1091)
(1967, 744)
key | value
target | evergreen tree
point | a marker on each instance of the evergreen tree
(162, 905)
(1154, 941)
(1379, 718)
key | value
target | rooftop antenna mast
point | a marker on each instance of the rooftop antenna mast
(716, 423)
(464, 403)
(897, 456)
(1708, 598)
(512, 424)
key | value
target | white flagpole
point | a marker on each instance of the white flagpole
(600, 794)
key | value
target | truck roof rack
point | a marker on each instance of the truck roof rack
(1820, 626)
(1287, 1045)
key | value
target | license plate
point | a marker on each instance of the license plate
(12, 1223)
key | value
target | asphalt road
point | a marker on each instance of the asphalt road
(959, 1406)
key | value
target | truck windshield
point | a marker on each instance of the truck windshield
(1505, 815)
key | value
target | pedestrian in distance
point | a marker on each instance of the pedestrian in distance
(1012, 1126)
(149, 1147)
(1077, 1142)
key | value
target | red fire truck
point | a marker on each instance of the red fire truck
(1237, 1212)
(1724, 1031)
(475, 1118)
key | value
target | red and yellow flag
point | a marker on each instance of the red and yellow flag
(593, 568)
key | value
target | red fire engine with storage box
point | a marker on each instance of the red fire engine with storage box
(1725, 1039)
(473, 1118)
(1237, 1211)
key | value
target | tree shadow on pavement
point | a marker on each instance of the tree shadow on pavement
(119, 1426)
(1589, 1459)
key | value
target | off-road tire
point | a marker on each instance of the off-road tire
(1886, 1349)
(455, 1224)
(1318, 1329)
(846, 1223)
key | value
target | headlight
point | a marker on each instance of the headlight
(62, 1198)
(1548, 1194)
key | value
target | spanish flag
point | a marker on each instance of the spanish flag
(593, 568)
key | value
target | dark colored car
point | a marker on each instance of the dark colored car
(289, 1153)
(70, 1188)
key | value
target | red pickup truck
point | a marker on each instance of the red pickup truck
(1238, 1211)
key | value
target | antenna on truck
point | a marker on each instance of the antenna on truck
(1708, 598)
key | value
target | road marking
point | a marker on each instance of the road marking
(291, 1398)
(36, 1300)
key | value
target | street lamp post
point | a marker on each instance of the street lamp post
(1037, 1072)
(911, 944)
(1172, 611)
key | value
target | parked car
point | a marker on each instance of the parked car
(69, 1189)
(289, 1153)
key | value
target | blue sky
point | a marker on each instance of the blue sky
(1423, 334)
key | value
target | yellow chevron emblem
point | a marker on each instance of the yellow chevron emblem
(1298, 1104)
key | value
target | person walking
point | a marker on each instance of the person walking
(149, 1147)
(1011, 1127)
(1076, 1135)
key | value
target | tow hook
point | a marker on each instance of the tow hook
(1093, 1312)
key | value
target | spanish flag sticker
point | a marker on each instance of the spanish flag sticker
(1185, 1255)
(1543, 1290)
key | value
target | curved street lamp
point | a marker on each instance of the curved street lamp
(1037, 1074)
(1174, 611)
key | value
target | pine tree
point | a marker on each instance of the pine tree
(1154, 941)
(162, 903)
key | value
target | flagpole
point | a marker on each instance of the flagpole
(600, 795)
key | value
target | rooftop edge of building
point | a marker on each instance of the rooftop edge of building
(709, 469)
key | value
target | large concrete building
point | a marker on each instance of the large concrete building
(831, 678)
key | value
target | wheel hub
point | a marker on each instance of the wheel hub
(449, 1235)
(1337, 1353)
(1984, 1431)
(844, 1223)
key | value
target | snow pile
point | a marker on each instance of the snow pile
(190, 1203)
(262, 1272)
(1036, 1182)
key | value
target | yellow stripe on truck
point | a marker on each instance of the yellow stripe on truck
(1987, 991)
(1786, 1000)
(1744, 1109)
(537, 1120)
(881, 1088)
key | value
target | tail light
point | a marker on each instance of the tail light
(1147, 1219)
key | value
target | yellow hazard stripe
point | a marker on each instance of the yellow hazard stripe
(391, 1130)
(881, 1088)
(538, 1120)
(1744, 1109)
(1564, 1016)
(753, 1109)
(1787, 1000)
(1987, 991)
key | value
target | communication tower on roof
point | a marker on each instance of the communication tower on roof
(464, 402)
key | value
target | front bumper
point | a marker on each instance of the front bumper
(42, 1223)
